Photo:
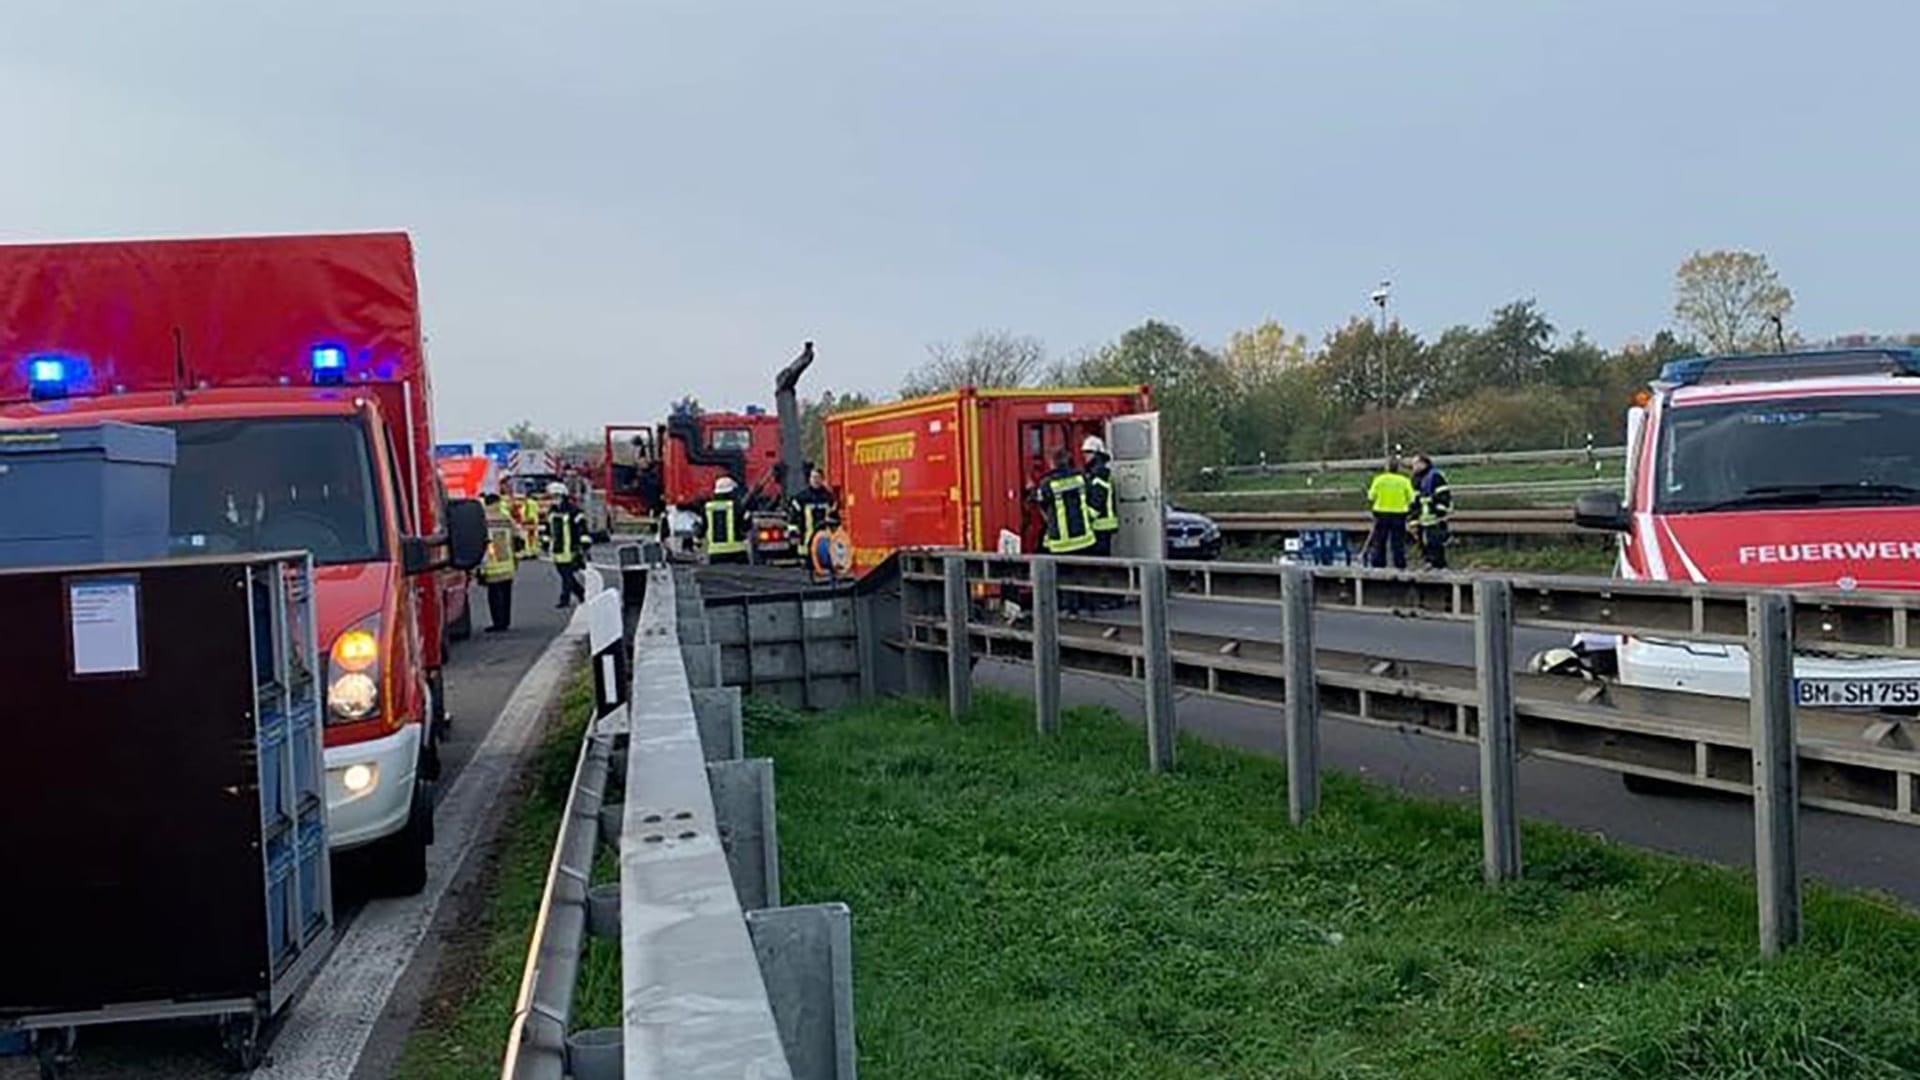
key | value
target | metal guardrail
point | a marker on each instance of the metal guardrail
(718, 979)
(1552, 522)
(1496, 457)
(1784, 756)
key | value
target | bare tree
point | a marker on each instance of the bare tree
(987, 358)
(1731, 301)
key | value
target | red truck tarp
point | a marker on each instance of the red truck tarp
(233, 312)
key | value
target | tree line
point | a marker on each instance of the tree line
(1515, 381)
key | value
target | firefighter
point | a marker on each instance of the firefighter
(1062, 496)
(1435, 504)
(812, 506)
(530, 524)
(567, 543)
(496, 572)
(723, 527)
(1390, 496)
(1102, 508)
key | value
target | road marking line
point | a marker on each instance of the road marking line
(327, 1028)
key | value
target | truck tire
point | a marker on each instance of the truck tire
(399, 862)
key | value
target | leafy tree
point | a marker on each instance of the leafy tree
(1516, 344)
(1190, 388)
(528, 436)
(987, 358)
(1351, 363)
(813, 421)
(1271, 390)
(1579, 364)
(1730, 300)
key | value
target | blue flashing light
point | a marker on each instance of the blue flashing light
(329, 365)
(1805, 364)
(50, 377)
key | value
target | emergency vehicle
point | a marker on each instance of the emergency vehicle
(956, 470)
(291, 372)
(1796, 469)
(662, 471)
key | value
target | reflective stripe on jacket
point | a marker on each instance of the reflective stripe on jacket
(723, 528)
(1103, 511)
(500, 562)
(1436, 498)
(1069, 526)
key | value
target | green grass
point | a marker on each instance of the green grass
(1051, 910)
(462, 1032)
(1522, 473)
(1519, 555)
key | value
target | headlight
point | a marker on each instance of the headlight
(353, 673)
(353, 696)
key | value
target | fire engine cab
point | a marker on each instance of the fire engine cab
(1795, 469)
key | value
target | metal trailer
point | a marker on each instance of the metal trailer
(954, 470)
(166, 792)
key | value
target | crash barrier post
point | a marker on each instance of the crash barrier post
(1303, 699)
(1046, 646)
(1776, 796)
(1781, 754)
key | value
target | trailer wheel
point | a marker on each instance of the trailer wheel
(53, 1047)
(240, 1041)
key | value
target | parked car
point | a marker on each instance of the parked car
(1191, 535)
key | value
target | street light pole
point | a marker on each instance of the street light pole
(1380, 296)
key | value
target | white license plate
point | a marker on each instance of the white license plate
(1185, 541)
(1857, 693)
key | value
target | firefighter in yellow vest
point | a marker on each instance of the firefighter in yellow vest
(1062, 496)
(567, 543)
(722, 527)
(496, 571)
(1102, 510)
(530, 525)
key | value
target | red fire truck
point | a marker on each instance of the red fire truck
(291, 372)
(1786, 469)
(956, 469)
(654, 471)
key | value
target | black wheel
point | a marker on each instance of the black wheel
(240, 1041)
(53, 1048)
(399, 862)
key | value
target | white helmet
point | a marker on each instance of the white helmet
(1093, 444)
(1558, 662)
(556, 489)
(724, 486)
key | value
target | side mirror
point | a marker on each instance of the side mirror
(466, 533)
(416, 556)
(1601, 510)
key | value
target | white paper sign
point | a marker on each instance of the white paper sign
(105, 616)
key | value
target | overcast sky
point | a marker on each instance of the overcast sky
(619, 203)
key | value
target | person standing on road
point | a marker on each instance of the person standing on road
(1390, 496)
(1435, 502)
(496, 571)
(723, 525)
(1102, 509)
(567, 543)
(812, 506)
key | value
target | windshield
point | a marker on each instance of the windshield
(284, 484)
(1856, 450)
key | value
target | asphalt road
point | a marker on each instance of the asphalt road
(1845, 850)
(482, 673)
